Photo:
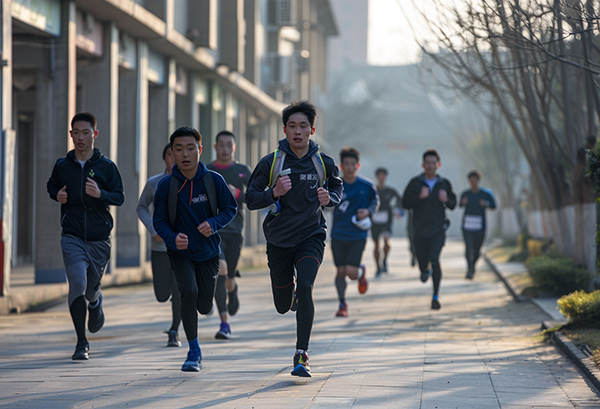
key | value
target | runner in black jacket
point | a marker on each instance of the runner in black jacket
(85, 183)
(429, 195)
(295, 228)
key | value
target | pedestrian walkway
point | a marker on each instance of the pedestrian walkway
(479, 351)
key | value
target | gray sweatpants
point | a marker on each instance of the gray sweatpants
(85, 262)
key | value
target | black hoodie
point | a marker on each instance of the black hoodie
(83, 215)
(429, 214)
(301, 214)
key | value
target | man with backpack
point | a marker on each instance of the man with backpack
(295, 182)
(190, 206)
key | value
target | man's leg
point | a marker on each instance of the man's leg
(221, 297)
(437, 242)
(386, 248)
(421, 247)
(478, 239)
(281, 266)
(163, 282)
(469, 252)
(232, 256)
(375, 232)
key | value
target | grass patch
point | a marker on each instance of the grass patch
(587, 336)
(502, 254)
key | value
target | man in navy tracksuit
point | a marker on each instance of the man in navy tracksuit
(193, 242)
(85, 183)
(475, 200)
(295, 228)
(429, 195)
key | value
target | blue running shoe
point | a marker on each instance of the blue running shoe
(301, 367)
(193, 362)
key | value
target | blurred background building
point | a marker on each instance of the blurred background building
(143, 68)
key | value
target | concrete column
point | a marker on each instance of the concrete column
(7, 146)
(142, 141)
(112, 47)
(56, 89)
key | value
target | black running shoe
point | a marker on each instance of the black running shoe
(436, 304)
(470, 275)
(234, 303)
(96, 317)
(173, 339)
(425, 275)
(301, 367)
(294, 306)
(81, 351)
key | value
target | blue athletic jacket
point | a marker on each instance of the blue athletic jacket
(362, 194)
(193, 209)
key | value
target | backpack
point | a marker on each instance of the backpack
(279, 158)
(211, 194)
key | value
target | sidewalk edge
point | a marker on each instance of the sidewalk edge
(583, 362)
(507, 283)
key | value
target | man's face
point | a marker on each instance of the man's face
(350, 167)
(474, 182)
(381, 177)
(430, 164)
(186, 152)
(298, 131)
(169, 159)
(225, 148)
(83, 136)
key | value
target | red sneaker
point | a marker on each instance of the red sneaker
(362, 280)
(343, 311)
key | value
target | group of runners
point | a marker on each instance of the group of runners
(193, 214)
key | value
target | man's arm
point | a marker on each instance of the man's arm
(411, 199)
(54, 183)
(451, 203)
(491, 200)
(225, 202)
(143, 208)
(114, 195)
(160, 218)
(462, 202)
(256, 195)
(334, 184)
(374, 205)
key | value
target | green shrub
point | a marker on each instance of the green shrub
(581, 307)
(557, 275)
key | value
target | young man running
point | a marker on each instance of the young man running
(351, 223)
(429, 195)
(85, 183)
(296, 182)
(163, 278)
(236, 175)
(190, 206)
(475, 200)
(390, 206)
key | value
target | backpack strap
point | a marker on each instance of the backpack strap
(276, 166)
(320, 167)
(172, 200)
(211, 192)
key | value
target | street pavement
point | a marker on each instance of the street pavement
(481, 350)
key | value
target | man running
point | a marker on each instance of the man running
(190, 206)
(429, 195)
(163, 278)
(351, 223)
(85, 183)
(475, 200)
(390, 206)
(236, 175)
(296, 182)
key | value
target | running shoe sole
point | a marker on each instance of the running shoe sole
(436, 304)
(192, 366)
(222, 335)
(301, 371)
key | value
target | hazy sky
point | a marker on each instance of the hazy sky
(391, 39)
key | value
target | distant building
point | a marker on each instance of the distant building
(144, 68)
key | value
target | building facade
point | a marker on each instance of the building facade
(143, 68)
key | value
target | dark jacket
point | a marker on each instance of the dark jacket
(429, 214)
(301, 214)
(193, 209)
(84, 216)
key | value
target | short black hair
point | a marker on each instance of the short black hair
(431, 152)
(224, 133)
(347, 152)
(381, 170)
(84, 116)
(165, 149)
(305, 107)
(185, 131)
(474, 174)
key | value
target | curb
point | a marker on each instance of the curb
(583, 362)
(507, 282)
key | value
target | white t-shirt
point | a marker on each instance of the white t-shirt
(82, 162)
(431, 183)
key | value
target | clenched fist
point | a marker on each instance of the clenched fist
(323, 195)
(61, 196)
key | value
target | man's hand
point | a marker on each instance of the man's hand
(323, 195)
(283, 185)
(233, 189)
(424, 194)
(181, 241)
(443, 196)
(158, 238)
(92, 189)
(362, 213)
(464, 201)
(61, 196)
(205, 229)
(482, 203)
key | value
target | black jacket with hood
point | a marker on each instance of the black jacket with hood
(429, 214)
(301, 214)
(83, 215)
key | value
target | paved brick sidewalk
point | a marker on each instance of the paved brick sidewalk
(479, 351)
